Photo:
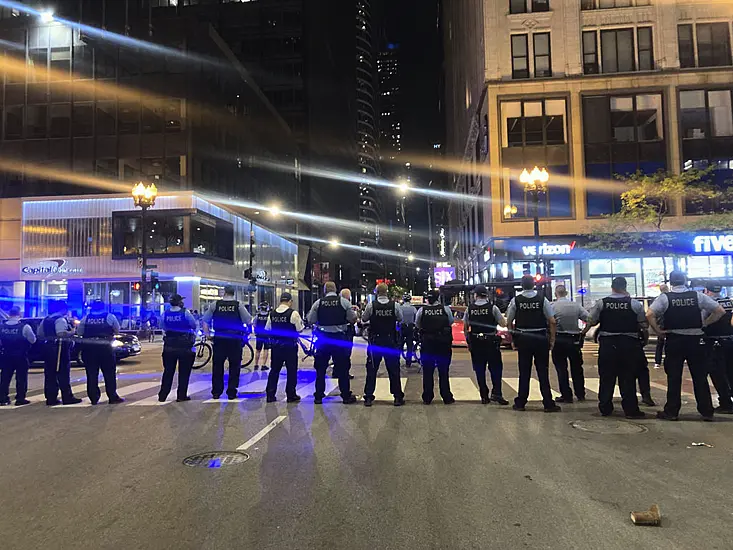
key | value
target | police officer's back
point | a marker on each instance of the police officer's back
(621, 333)
(480, 327)
(179, 327)
(56, 332)
(98, 329)
(533, 319)
(332, 314)
(682, 310)
(434, 323)
(229, 319)
(719, 338)
(568, 346)
(283, 325)
(383, 314)
(16, 339)
(409, 313)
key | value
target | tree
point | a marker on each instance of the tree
(647, 205)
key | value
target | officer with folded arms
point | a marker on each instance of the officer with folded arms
(434, 322)
(262, 342)
(531, 316)
(16, 338)
(383, 315)
(719, 339)
(98, 330)
(621, 336)
(568, 346)
(179, 327)
(682, 310)
(480, 327)
(283, 326)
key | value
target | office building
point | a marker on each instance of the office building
(587, 89)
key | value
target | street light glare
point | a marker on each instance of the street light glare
(46, 16)
(411, 257)
(275, 210)
(334, 243)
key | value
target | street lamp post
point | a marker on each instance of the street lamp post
(144, 197)
(535, 183)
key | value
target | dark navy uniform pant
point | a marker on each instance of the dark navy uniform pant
(18, 366)
(57, 371)
(99, 356)
(172, 358)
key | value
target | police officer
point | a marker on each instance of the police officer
(719, 339)
(620, 348)
(434, 322)
(16, 338)
(682, 309)
(262, 342)
(230, 320)
(332, 314)
(568, 346)
(98, 330)
(532, 317)
(56, 332)
(407, 330)
(480, 327)
(283, 325)
(179, 336)
(383, 315)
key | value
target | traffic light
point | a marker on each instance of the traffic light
(526, 268)
(538, 278)
(154, 282)
(136, 286)
(248, 273)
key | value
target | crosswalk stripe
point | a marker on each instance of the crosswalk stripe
(381, 390)
(593, 385)
(534, 388)
(463, 389)
(41, 398)
(664, 388)
(194, 388)
(309, 389)
(254, 386)
(122, 392)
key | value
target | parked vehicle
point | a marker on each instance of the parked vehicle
(125, 345)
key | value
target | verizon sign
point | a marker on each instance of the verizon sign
(547, 249)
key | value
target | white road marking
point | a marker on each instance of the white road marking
(662, 387)
(331, 384)
(153, 399)
(534, 388)
(463, 389)
(381, 390)
(262, 433)
(40, 398)
(122, 392)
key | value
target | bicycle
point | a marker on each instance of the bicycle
(204, 351)
(309, 344)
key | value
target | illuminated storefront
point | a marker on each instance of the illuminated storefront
(86, 248)
(587, 272)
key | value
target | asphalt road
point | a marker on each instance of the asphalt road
(436, 477)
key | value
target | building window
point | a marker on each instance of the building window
(645, 48)
(532, 123)
(14, 122)
(617, 51)
(704, 45)
(540, 5)
(542, 63)
(623, 135)
(607, 4)
(517, 6)
(706, 124)
(590, 53)
(520, 56)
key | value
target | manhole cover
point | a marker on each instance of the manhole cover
(217, 459)
(608, 427)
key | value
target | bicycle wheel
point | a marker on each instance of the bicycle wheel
(248, 354)
(203, 355)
